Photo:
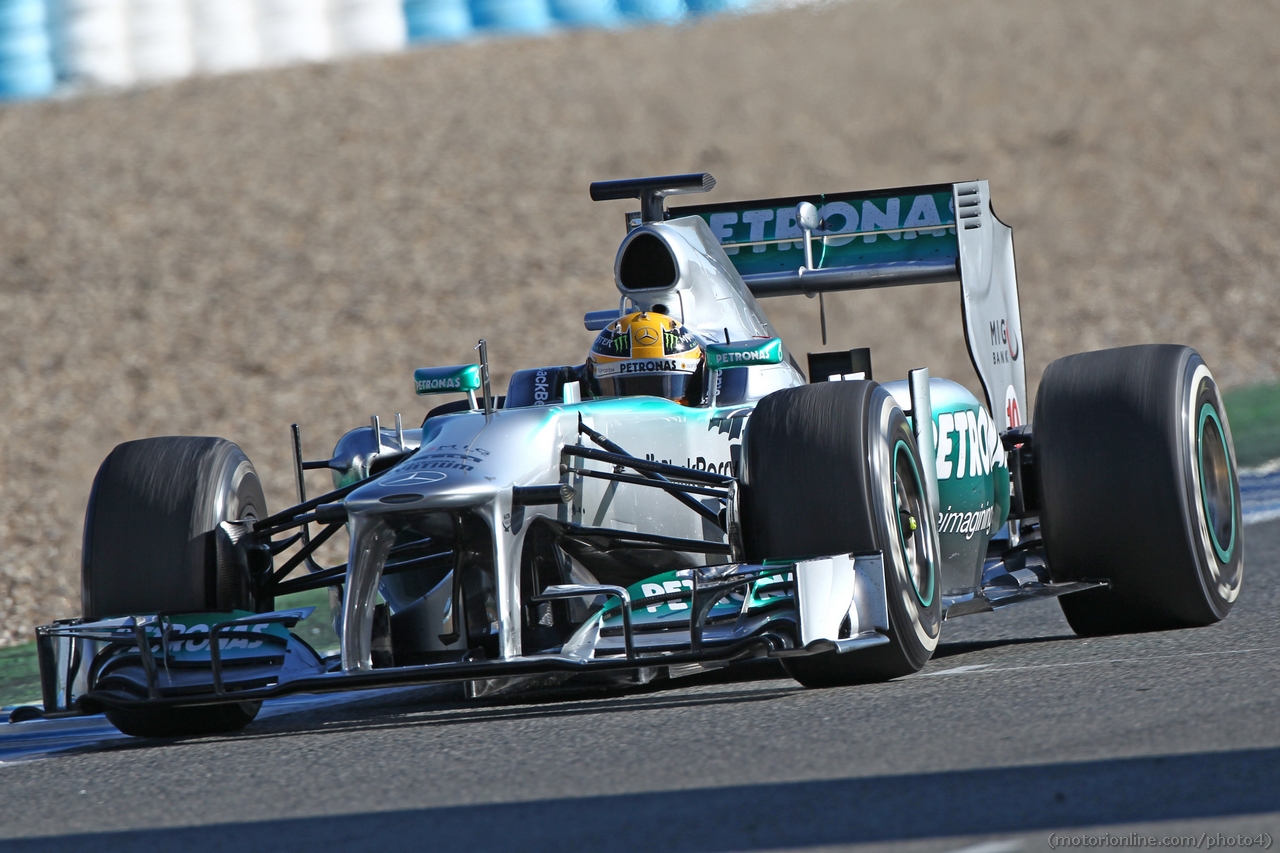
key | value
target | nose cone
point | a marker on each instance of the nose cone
(420, 485)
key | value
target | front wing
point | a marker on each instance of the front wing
(723, 614)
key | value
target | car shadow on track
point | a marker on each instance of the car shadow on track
(964, 647)
(406, 713)
(878, 809)
(445, 705)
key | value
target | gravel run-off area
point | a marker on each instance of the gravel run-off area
(228, 256)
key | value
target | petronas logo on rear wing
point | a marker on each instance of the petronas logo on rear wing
(886, 238)
(857, 229)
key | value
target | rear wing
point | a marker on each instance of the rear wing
(886, 238)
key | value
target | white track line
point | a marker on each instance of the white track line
(1007, 846)
(984, 669)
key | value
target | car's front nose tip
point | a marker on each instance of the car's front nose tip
(419, 490)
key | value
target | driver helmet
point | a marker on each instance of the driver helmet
(646, 354)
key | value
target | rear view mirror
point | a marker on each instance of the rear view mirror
(744, 353)
(459, 379)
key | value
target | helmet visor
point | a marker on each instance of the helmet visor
(673, 386)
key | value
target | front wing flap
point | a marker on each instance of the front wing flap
(711, 615)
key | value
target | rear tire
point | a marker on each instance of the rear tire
(830, 468)
(152, 544)
(1139, 487)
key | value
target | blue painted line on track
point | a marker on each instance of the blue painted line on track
(36, 739)
(1260, 494)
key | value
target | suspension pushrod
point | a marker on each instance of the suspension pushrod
(665, 485)
(305, 507)
(304, 552)
(673, 471)
(642, 540)
(313, 580)
(628, 459)
(334, 576)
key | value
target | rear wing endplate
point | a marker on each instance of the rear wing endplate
(886, 238)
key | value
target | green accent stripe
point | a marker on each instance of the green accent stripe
(924, 602)
(1207, 413)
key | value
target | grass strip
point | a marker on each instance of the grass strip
(19, 675)
(1254, 414)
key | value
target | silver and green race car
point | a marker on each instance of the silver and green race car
(832, 523)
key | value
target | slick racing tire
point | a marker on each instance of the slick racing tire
(832, 468)
(184, 722)
(152, 544)
(1138, 487)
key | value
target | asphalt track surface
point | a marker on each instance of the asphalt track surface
(1016, 730)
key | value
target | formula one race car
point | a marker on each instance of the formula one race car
(682, 500)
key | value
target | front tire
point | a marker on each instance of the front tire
(1138, 487)
(185, 722)
(152, 544)
(832, 468)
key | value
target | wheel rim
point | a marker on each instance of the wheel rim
(912, 523)
(1216, 492)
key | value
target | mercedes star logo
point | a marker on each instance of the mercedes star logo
(416, 477)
